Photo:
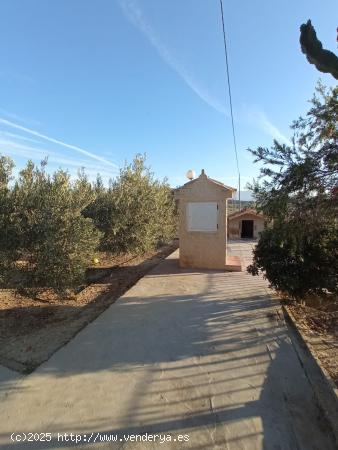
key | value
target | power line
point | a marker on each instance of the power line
(230, 102)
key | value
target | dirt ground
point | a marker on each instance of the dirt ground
(31, 330)
(319, 324)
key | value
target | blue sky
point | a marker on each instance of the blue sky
(92, 83)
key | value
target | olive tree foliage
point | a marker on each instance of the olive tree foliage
(8, 244)
(51, 226)
(135, 213)
(298, 192)
(43, 228)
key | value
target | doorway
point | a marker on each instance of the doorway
(247, 229)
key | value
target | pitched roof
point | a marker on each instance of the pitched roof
(245, 211)
(211, 180)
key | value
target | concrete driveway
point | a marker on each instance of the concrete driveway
(201, 359)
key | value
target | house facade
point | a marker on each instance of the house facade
(202, 207)
(245, 224)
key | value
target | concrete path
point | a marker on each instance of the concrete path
(205, 355)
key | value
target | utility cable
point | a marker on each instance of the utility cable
(230, 102)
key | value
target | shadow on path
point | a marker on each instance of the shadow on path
(198, 352)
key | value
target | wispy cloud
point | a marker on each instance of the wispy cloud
(263, 122)
(12, 116)
(134, 14)
(15, 148)
(57, 141)
(15, 136)
(272, 130)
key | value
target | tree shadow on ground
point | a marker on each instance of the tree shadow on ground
(210, 360)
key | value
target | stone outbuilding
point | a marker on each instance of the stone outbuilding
(202, 207)
(247, 223)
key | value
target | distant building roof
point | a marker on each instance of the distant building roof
(211, 180)
(245, 211)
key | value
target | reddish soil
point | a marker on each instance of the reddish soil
(318, 320)
(31, 330)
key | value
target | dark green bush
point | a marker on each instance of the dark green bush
(8, 234)
(135, 213)
(51, 227)
(299, 194)
(298, 259)
(43, 226)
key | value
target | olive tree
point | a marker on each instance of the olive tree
(298, 192)
(45, 227)
(136, 211)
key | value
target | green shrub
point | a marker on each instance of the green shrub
(8, 235)
(298, 259)
(135, 213)
(299, 194)
(51, 227)
(45, 228)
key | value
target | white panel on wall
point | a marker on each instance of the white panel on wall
(202, 216)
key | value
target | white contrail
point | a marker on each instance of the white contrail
(271, 129)
(56, 141)
(134, 14)
(17, 118)
(18, 136)
(256, 116)
(28, 151)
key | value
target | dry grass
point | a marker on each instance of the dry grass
(318, 320)
(31, 329)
